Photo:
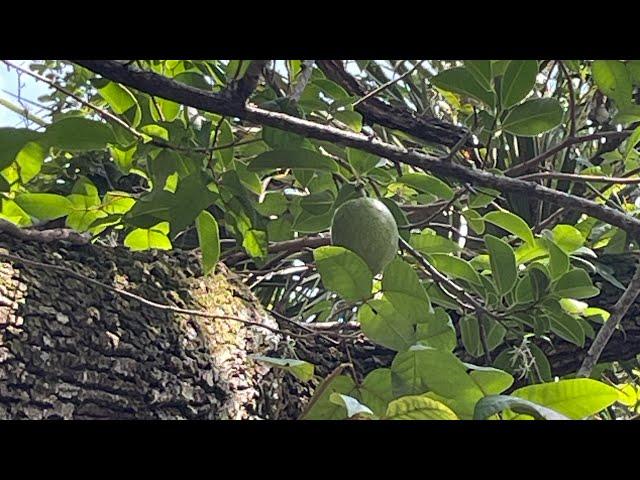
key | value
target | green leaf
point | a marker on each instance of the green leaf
(383, 324)
(503, 263)
(118, 97)
(575, 283)
(44, 206)
(78, 134)
(428, 241)
(273, 203)
(323, 408)
(145, 239)
(576, 398)
(307, 222)
(531, 251)
(421, 369)
(351, 119)
(29, 161)
(455, 267)
(156, 131)
(236, 69)
(14, 214)
(437, 331)
(331, 89)
(302, 370)
(255, 242)
(415, 407)
(427, 184)
(567, 237)
(124, 159)
(558, 260)
(632, 141)
(191, 197)
(533, 117)
(317, 203)
(567, 328)
(402, 287)
(470, 333)
(352, 405)
(511, 223)
(600, 314)
(491, 405)
(169, 109)
(634, 70)
(495, 333)
(344, 272)
(361, 161)
(574, 307)
(280, 139)
(460, 80)
(613, 79)
(209, 240)
(300, 159)
(490, 380)
(518, 80)
(481, 71)
(86, 203)
(280, 229)
(526, 289)
(12, 140)
(376, 391)
(475, 221)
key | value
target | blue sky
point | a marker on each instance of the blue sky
(30, 90)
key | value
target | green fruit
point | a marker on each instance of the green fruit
(366, 227)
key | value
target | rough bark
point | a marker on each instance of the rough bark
(74, 351)
(71, 350)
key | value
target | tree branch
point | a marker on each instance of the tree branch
(242, 89)
(375, 111)
(388, 84)
(604, 334)
(303, 78)
(50, 235)
(294, 245)
(155, 84)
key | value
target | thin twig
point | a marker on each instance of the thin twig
(22, 111)
(572, 100)
(576, 177)
(322, 387)
(386, 85)
(606, 332)
(460, 295)
(535, 161)
(109, 116)
(303, 78)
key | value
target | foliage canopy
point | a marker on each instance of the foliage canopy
(510, 182)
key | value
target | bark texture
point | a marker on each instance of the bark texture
(75, 351)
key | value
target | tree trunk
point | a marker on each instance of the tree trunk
(70, 349)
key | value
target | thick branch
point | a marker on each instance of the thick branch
(376, 111)
(243, 88)
(160, 86)
(50, 235)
